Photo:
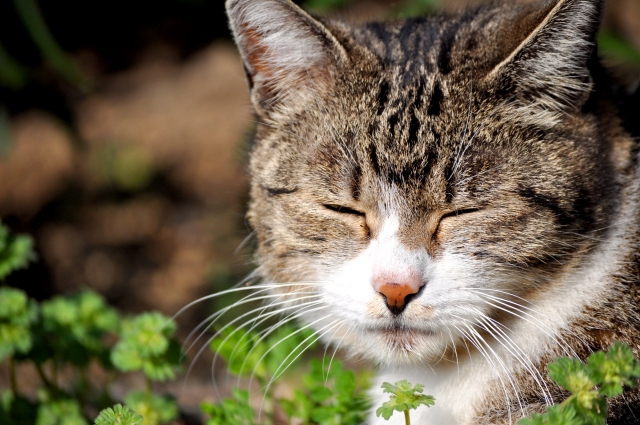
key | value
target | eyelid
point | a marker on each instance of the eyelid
(459, 212)
(343, 210)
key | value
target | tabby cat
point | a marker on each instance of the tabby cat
(455, 197)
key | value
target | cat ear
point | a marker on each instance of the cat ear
(287, 54)
(548, 71)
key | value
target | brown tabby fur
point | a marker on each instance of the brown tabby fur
(457, 113)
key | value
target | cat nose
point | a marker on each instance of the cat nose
(398, 292)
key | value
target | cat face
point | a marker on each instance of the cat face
(416, 183)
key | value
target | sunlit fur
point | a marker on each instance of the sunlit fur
(483, 152)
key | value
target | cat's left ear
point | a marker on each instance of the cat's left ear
(549, 70)
(287, 54)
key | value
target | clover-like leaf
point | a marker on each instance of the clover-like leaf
(17, 314)
(404, 397)
(155, 409)
(60, 412)
(118, 415)
(555, 415)
(16, 252)
(570, 374)
(233, 411)
(147, 344)
(614, 369)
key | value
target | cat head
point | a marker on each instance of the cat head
(410, 179)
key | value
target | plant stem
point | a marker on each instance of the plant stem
(407, 420)
(43, 377)
(54, 372)
(12, 374)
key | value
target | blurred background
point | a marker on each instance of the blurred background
(123, 134)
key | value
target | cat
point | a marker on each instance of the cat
(454, 197)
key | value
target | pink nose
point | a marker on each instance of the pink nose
(397, 289)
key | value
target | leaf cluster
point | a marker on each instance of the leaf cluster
(147, 344)
(331, 396)
(17, 315)
(248, 353)
(16, 252)
(231, 411)
(74, 332)
(73, 329)
(154, 408)
(118, 415)
(404, 397)
(605, 374)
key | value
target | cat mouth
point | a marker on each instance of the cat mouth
(402, 338)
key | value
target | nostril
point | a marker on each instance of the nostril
(398, 295)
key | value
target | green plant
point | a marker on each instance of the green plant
(16, 252)
(118, 415)
(404, 397)
(73, 332)
(147, 344)
(331, 395)
(604, 375)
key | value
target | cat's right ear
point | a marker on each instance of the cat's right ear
(288, 55)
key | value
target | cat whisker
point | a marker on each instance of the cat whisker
(528, 314)
(306, 307)
(278, 371)
(334, 353)
(204, 346)
(516, 352)
(209, 321)
(239, 289)
(476, 343)
(290, 317)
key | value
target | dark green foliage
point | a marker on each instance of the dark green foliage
(325, 5)
(16, 410)
(404, 397)
(118, 415)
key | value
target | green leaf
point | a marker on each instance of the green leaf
(16, 252)
(555, 415)
(76, 326)
(570, 374)
(17, 314)
(147, 344)
(404, 396)
(60, 412)
(118, 415)
(233, 411)
(155, 409)
(614, 369)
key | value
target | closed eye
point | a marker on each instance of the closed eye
(343, 210)
(457, 213)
